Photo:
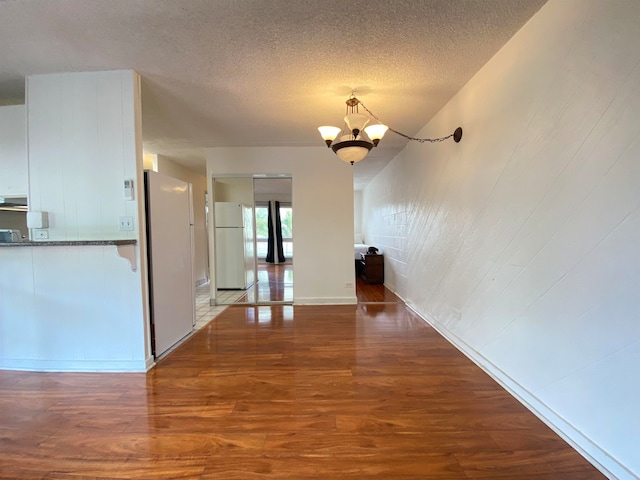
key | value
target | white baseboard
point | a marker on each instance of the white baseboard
(598, 457)
(116, 366)
(325, 300)
(150, 363)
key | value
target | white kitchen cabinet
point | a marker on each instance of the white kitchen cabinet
(13, 151)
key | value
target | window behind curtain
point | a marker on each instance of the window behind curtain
(262, 229)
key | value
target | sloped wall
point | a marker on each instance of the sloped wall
(520, 244)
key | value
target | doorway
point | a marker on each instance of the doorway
(243, 209)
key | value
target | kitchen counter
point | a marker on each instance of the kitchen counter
(125, 248)
(73, 306)
(68, 243)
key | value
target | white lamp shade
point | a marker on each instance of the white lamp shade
(329, 133)
(352, 154)
(377, 131)
(351, 151)
(356, 121)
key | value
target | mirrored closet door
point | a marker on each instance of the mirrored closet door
(253, 240)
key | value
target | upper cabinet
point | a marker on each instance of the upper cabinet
(13, 151)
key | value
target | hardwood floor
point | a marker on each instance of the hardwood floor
(374, 293)
(284, 392)
(275, 284)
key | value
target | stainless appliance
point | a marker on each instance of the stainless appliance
(10, 236)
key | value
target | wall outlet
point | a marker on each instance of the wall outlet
(41, 234)
(125, 224)
(348, 285)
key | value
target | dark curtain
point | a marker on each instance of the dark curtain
(274, 242)
(270, 239)
(279, 246)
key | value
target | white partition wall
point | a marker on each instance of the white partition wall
(69, 307)
(82, 146)
(521, 243)
(322, 188)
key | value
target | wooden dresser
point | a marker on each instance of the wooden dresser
(372, 268)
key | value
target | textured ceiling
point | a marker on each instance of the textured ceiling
(263, 72)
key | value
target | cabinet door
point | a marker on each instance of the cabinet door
(13, 151)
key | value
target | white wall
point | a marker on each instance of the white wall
(274, 197)
(69, 309)
(80, 307)
(199, 188)
(13, 151)
(274, 189)
(322, 189)
(357, 212)
(520, 244)
(82, 145)
(239, 190)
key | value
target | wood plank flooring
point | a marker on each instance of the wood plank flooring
(374, 293)
(275, 284)
(283, 392)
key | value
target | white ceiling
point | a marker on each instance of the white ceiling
(263, 72)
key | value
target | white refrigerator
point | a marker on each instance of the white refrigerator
(235, 260)
(169, 213)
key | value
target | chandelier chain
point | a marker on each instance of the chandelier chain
(421, 140)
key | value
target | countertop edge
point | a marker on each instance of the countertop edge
(69, 243)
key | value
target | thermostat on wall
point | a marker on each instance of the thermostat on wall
(128, 189)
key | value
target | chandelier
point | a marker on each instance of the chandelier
(357, 137)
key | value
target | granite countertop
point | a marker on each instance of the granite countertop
(68, 243)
